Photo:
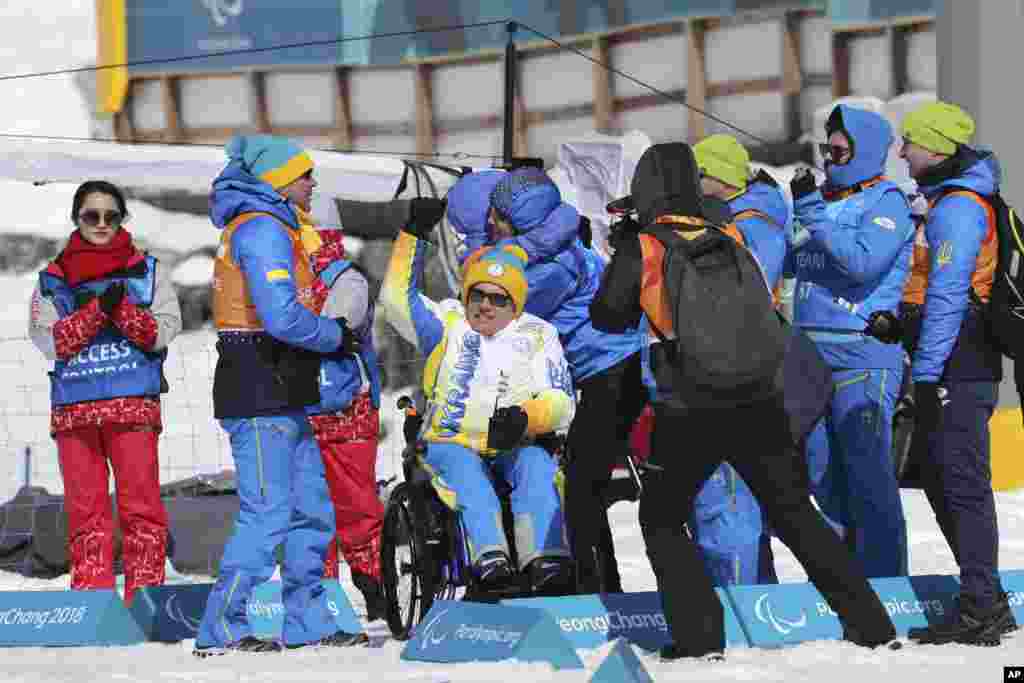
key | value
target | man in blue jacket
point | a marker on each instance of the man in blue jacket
(269, 344)
(955, 368)
(728, 524)
(851, 258)
(525, 207)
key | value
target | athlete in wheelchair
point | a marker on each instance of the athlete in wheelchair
(496, 385)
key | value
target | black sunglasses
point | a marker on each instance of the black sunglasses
(92, 217)
(834, 153)
(477, 296)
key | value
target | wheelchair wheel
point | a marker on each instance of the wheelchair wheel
(407, 566)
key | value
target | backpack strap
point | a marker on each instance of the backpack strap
(990, 214)
(755, 213)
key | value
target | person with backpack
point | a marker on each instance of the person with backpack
(524, 207)
(346, 421)
(956, 366)
(716, 347)
(728, 524)
(851, 258)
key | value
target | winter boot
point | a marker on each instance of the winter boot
(969, 625)
(493, 570)
(1011, 622)
(551, 576)
(888, 642)
(247, 644)
(373, 593)
(336, 639)
(674, 651)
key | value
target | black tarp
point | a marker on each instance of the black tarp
(201, 511)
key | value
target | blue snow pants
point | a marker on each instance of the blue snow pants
(536, 504)
(729, 528)
(283, 499)
(852, 473)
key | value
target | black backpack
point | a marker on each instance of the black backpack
(1004, 312)
(729, 340)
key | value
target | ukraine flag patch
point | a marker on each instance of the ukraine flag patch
(278, 274)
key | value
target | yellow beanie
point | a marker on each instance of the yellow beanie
(503, 265)
(938, 127)
(723, 158)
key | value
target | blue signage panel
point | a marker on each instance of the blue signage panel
(170, 614)
(219, 35)
(162, 34)
(621, 666)
(66, 618)
(456, 631)
(266, 612)
(589, 621)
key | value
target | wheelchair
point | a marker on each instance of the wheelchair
(424, 551)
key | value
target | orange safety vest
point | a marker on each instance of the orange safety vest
(233, 308)
(984, 265)
(653, 296)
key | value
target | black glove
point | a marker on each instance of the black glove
(424, 214)
(111, 297)
(885, 326)
(349, 342)
(506, 428)
(83, 298)
(586, 234)
(802, 184)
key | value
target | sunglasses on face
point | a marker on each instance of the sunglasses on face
(834, 153)
(478, 296)
(92, 217)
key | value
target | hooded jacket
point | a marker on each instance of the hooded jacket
(766, 238)
(563, 275)
(955, 253)
(851, 256)
(269, 338)
(467, 375)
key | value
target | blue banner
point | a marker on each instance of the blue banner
(621, 666)
(589, 621)
(170, 614)
(266, 612)
(161, 34)
(66, 618)
(190, 36)
(456, 631)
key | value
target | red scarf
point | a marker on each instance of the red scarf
(82, 261)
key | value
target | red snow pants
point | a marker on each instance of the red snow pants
(348, 445)
(132, 453)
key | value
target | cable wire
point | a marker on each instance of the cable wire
(251, 50)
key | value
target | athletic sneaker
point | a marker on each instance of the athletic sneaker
(493, 570)
(551, 576)
(674, 651)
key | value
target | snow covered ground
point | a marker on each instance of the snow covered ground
(380, 663)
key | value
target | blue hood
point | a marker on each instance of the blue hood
(557, 233)
(871, 136)
(469, 201)
(236, 191)
(763, 197)
(983, 174)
